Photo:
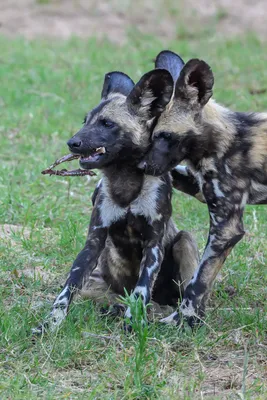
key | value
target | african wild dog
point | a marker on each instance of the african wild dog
(131, 238)
(227, 153)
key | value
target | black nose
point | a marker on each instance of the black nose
(142, 165)
(74, 143)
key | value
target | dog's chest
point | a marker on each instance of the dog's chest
(130, 229)
(144, 205)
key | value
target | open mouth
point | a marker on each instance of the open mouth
(94, 156)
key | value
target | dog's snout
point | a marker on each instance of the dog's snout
(74, 143)
(142, 165)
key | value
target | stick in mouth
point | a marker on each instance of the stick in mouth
(64, 172)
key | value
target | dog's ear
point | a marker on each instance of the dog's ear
(170, 61)
(151, 94)
(195, 82)
(116, 82)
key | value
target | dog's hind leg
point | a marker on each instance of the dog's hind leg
(185, 261)
(186, 256)
(101, 293)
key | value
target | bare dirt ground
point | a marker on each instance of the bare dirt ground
(114, 18)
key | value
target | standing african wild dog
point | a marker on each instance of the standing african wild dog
(131, 237)
(227, 153)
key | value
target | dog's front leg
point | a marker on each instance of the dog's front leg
(80, 272)
(153, 255)
(184, 181)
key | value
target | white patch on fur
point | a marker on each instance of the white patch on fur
(244, 200)
(97, 227)
(212, 215)
(128, 313)
(189, 310)
(155, 265)
(109, 211)
(141, 290)
(59, 311)
(60, 298)
(146, 202)
(38, 331)
(99, 183)
(75, 269)
(207, 254)
(182, 169)
(146, 99)
(228, 170)
(56, 318)
(199, 178)
(217, 189)
(170, 320)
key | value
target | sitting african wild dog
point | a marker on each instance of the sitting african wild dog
(227, 153)
(132, 238)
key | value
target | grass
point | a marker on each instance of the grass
(141, 358)
(45, 90)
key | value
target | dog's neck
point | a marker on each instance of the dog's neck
(216, 134)
(125, 183)
(220, 123)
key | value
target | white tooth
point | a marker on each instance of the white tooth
(101, 150)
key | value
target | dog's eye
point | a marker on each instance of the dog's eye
(107, 123)
(165, 135)
(162, 135)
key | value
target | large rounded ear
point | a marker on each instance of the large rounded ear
(116, 82)
(151, 94)
(195, 82)
(170, 61)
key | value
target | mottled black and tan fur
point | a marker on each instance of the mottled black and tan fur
(227, 153)
(132, 238)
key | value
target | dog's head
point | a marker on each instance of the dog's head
(178, 126)
(119, 128)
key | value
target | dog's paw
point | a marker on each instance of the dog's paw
(39, 331)
(51, 323)
(180, 320)
(173, 319)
